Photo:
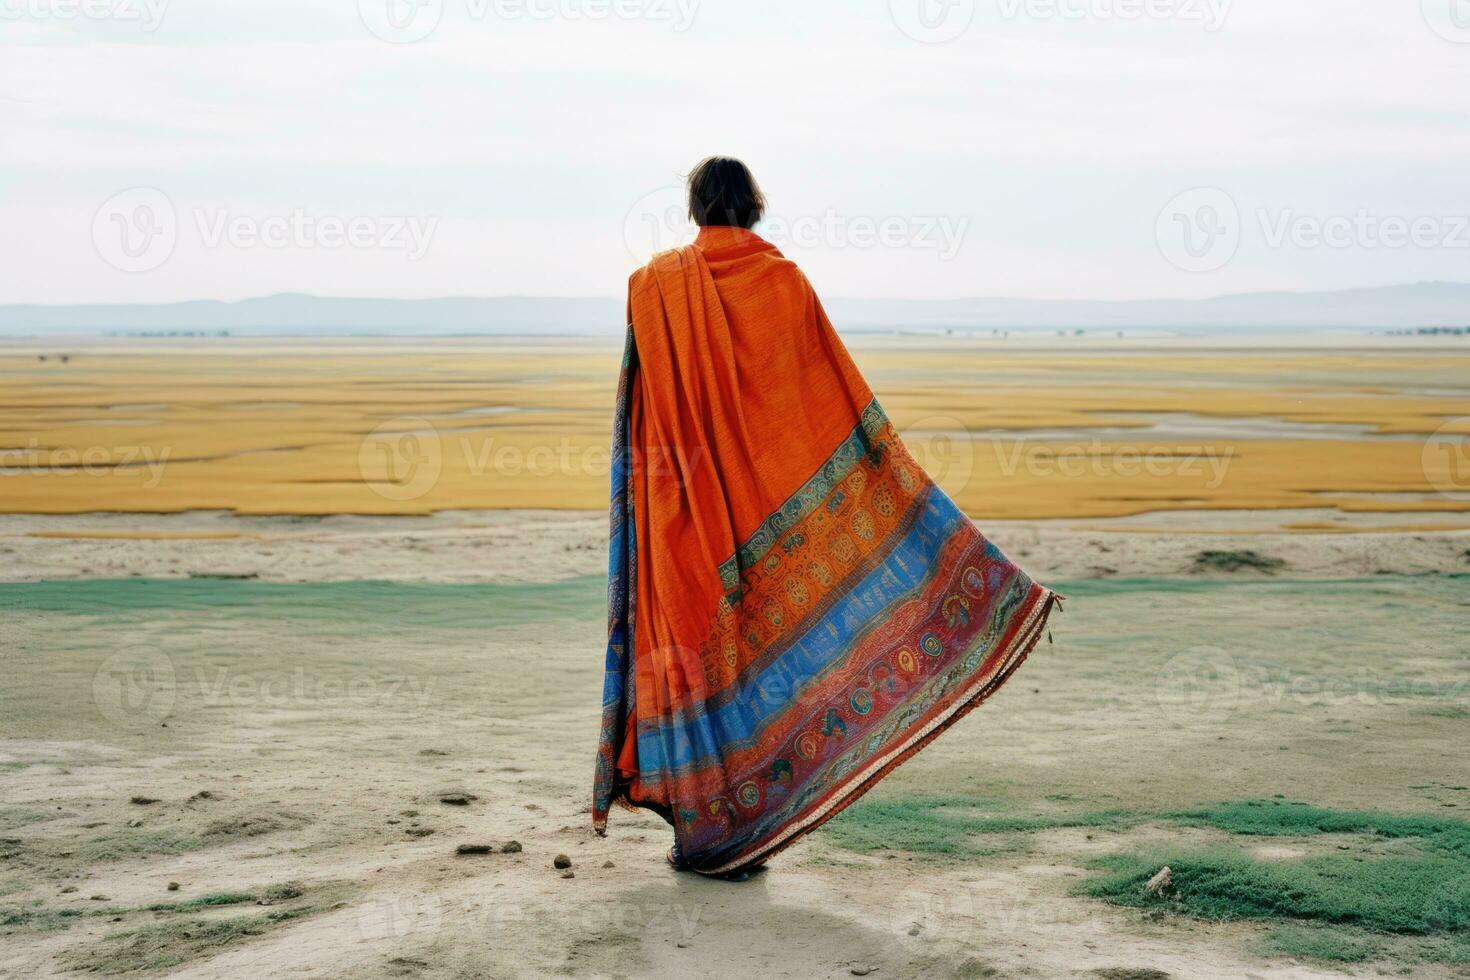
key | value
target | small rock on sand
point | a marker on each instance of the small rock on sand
(561, 861)
(143, 800)
(569, 873)
(608, 864)
(861, 970)
(511, 847)
(457, 799)
(419, 831)
(173, 886)
(474, 849)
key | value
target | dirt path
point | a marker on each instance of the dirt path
(299, 741)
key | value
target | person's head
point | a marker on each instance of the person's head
(722, 192)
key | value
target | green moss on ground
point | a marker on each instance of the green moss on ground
(948, 825)
(1326, 944)
(1410, 905)
(1282, 818)
(163, 944)
(1423, 894)
(1409, 902)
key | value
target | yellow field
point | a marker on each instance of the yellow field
(401, 428)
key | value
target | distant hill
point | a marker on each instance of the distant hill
(1391, 307)
(1435, 304)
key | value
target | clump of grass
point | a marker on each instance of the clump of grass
(1410, 905)
(41, 919)
(946, 825)
(1447, 949)
(203, 902)
(44, 919)
(1345, 944)
(254, 825)
(129, 843)
(1418, 895)
(12, 818)
(284, 892)
(1283, 818)
(125, 844)
(166, 945)
(161, 945)
(1237, 561)
(1332, 945)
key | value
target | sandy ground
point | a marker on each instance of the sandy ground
(546, 546)
(298, 732)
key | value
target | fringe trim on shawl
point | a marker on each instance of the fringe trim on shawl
(1027, 637)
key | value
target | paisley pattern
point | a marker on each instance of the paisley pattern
(860, 620)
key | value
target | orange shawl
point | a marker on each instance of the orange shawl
(794, 607)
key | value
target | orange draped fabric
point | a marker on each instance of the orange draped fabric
(794, 607)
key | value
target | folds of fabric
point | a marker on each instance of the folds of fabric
(794, 606)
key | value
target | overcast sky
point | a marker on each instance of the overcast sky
(155, 150)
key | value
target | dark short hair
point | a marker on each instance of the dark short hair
(722, 191)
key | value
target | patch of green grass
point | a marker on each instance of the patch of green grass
(1436, 949)
(947, 825)
(39, 918)
(1410, 905)
(1345, 944)
(125, 844)
(285, 891)
(1422, 895)
(162, 945)
(203, 902)
(1332, 945)
(1282, 818)
(43, 918)
(12, 817)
